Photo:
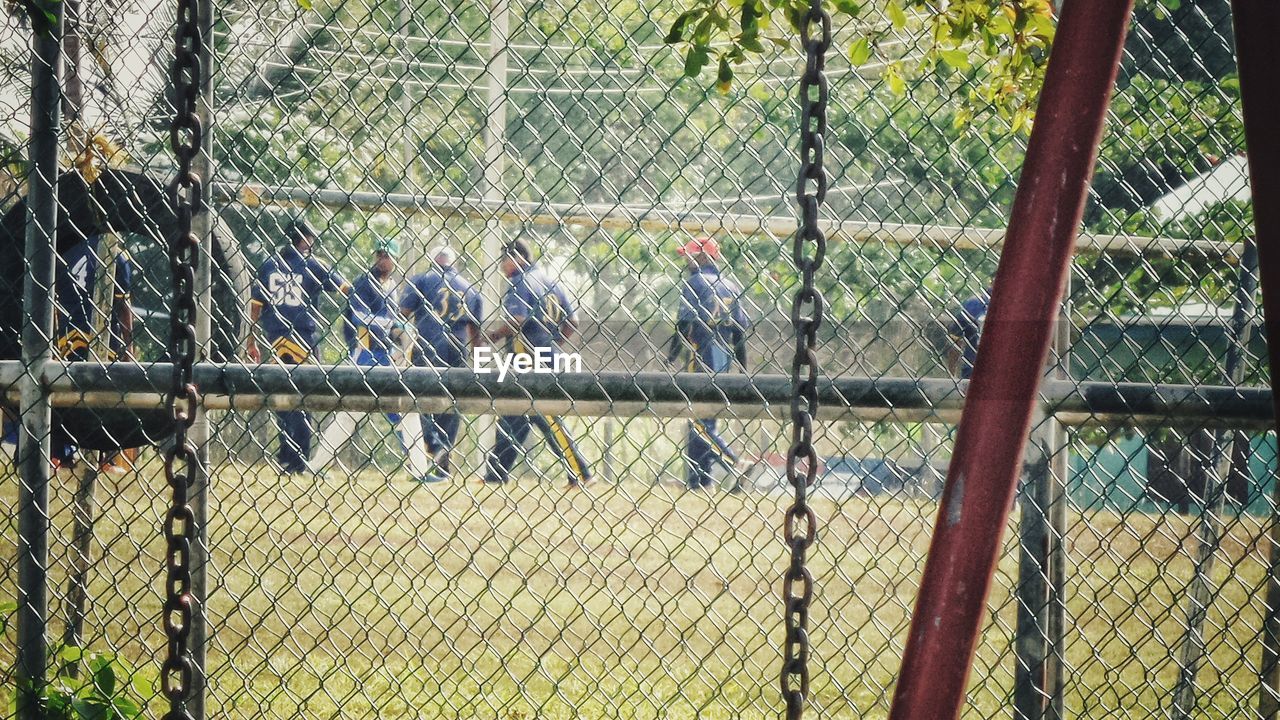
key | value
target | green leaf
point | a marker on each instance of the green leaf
(104, 676)
(696, 59)
(126, 708)
(724, 75)
(719, 19)
(142, 686)
(893, 76)
(70, 654)
(859, 52)
(91, 709)
(957, 58)
(677, 28)
(702, 33)
(1042, 26)
(750, 19)
(849, 7)
(752, 44)
(896, 15)
(304, 4)
(43, 15)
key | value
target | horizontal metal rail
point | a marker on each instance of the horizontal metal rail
(618, 216)
(387, 389)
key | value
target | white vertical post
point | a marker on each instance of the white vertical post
(407, 152)
(492, 186)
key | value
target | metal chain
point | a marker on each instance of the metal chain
(806, 315)
(181, 462)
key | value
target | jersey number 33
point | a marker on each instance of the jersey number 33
(285, 289)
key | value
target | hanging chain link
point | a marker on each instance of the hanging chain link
(806, 315)
(181, 461)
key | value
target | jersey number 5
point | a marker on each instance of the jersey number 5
(285, 289)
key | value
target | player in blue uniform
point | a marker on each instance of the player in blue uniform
(446, 312)
(964, 332)
(373, 330)
(75, 279)
(538, 315)
(711, 326)
(285, 303)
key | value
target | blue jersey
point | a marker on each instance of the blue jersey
(444, 306)
(966, 329)
(540, 307)
(371, 315)
(711, 319)
(288, 288)
(75, 280)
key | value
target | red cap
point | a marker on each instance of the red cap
(700, 245)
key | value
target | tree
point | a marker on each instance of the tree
(1002, 44)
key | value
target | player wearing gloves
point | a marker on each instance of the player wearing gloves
(373, 330)
(286, 299)
(538, 314)
(711, 327)
(446, 311)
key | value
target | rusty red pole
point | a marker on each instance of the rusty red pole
(1002, 395)
(1257, 23)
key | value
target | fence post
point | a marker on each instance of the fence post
(1026, 295)
(1039, 643)
(1217, 468)
(1031, 642)
(36, 419)
(1056, 507)
(495, 149)
(86, 474)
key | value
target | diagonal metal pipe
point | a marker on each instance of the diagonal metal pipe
(1025, 298)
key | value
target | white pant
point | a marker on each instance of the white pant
(343, 426)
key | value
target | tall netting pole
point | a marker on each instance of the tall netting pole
(36, 413)
(1256, 24)
(1026, 296)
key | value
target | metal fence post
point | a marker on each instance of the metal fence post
(1217, 470)
(1026, 295)
(1039, 640)
(1031, 641)
(1056, 507)
(495, 148)
(37, 350)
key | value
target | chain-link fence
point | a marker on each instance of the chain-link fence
(358, 563)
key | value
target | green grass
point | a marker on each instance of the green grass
(356, 597)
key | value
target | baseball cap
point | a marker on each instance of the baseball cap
(298, 229)
(390, 247)
(700, 245)
(443, 252)
(518, 248)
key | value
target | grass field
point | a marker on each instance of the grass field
(360, 597)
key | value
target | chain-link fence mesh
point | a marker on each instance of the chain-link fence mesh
(342, 585)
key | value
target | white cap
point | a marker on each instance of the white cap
(443, 254)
